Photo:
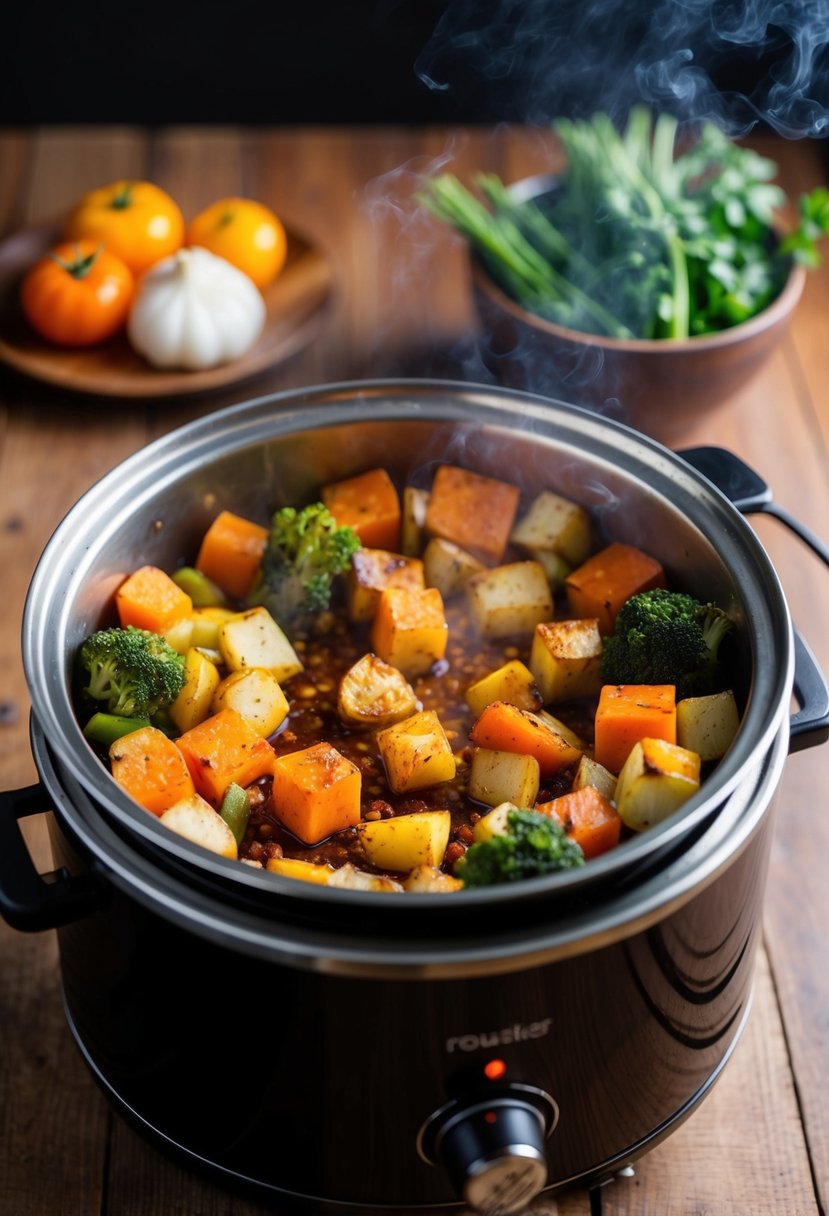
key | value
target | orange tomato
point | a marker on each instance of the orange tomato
(137, 221)
(245, 233)
(79, 294)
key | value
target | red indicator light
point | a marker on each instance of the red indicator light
(494, 1070)
(490, 1117)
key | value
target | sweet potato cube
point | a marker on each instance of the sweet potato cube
(369, 504)
(496, 777)
(410, 629)
(566, 659)
(588, 818)
(254, 639)
(372, 570)
(416, 753)
(600, 586)
(316, 792)
(629, 712)
(197, 821)
(510, 600)
(473, 511)
(656, 779)
(406, 841)
(555, 525)
(149, 599)
(151, 769)
(225, 748)
(448, 567)
(503, 727)
(231, 553)
(513, 682)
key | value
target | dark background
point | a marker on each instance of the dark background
(747, 62)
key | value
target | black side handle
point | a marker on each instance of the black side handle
(810, 725)
(28, 900)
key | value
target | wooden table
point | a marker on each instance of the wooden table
(760, 1143)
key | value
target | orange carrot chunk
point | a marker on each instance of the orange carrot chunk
(601, 585)
(506, 728)
(149, 766)
(369, 504)
(316, 792)
(409, 629)
(472, 511)
(628, 713)
(225, 749)
(231, 552)
(588, 818)
(149, 599)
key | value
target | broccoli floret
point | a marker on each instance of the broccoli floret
(306, 550)
(667, 637)
(533, 844)
(134, 672)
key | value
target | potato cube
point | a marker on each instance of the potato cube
(196, 821)
(374, 694)
(406, 841)
(510, 600)
(371, 571)
(412, 525)
(513, 683)
(561, 728)
(429, 880)
(253, 639)
(591, 773)
(555, 567)
(448, 567)
(352, 879)
(316, 792)
(409, 629)
(206, 625)
(201, 679)
(707, 725)
(555, 525)
(656, 779)
(416, 753)
(494, 823)
(180, 635)
(566, 659)
(475, 512)
(496, 777)
(256, 694)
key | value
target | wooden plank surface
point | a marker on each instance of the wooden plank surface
(759, 1144)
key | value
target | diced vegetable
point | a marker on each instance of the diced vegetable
(600, 586)
(561, 728)
(149, 599)
(429, 880)
(372, 570)
(235, 810)
(231, 551)
(591, 773)
(510, 600)
(473, 511)
(416, 753)
(503, 727)
(406, 841)
(495, 823)
(566, 659)
(628, 713)
(225, 749)
(588, 818)
(410, 629)
(254, 639)
(369, 504)
(202, 591)
(374, 694)
(656, 779)
(198, 822)
(151, 769)
(496, 777)
(513, 682)
(180, 635)
(316, 792)
(201, 679)
(206, 624)
(352, 879)
(707, 725)
(257, 695)
(554, 566)
(555, 525)
(306, 871)
(448, 567)
(105, 729)
(412, 526)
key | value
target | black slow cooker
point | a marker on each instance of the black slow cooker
(358, 1051)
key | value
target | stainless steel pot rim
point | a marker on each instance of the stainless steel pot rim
(156, 468)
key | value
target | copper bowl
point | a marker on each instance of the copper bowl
(661, 387)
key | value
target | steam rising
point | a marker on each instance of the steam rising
(734, 62)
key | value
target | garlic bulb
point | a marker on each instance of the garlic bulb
(194, 311)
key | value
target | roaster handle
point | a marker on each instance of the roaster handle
(29, 900)
(750, 494)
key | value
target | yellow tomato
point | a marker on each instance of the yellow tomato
(137, 221)
(79, 294)
(245, 233)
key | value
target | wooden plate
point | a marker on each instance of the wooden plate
(297, 304)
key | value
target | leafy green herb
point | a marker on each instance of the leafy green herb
(638, 240)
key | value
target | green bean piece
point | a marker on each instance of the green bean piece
(202, 591)
(104, 729)
(235, 810)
